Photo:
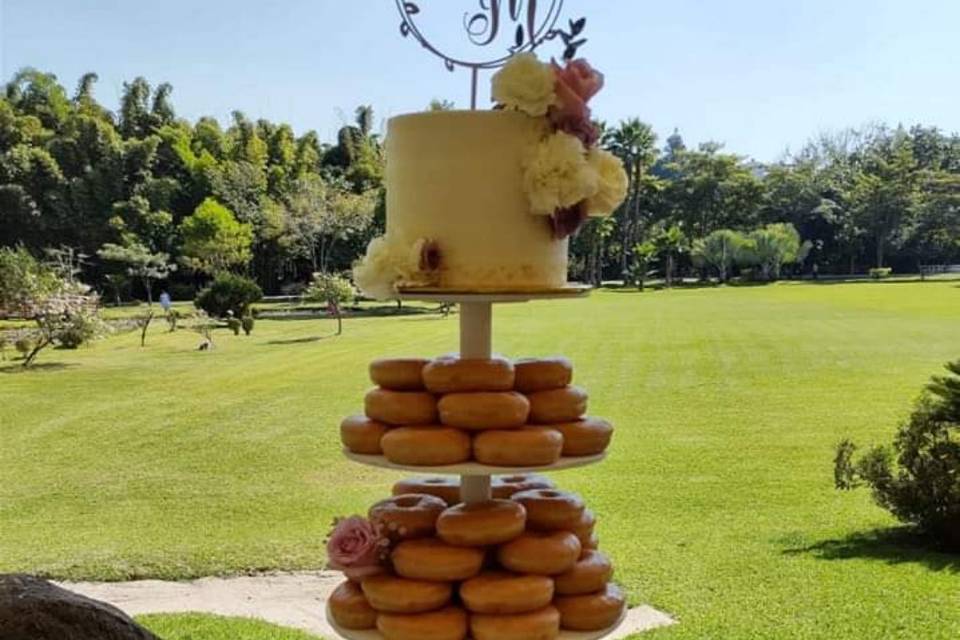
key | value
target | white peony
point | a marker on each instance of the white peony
(557, 174)
(612, 182)
(390, 262)
(525, 84)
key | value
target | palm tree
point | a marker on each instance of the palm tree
(634, 142)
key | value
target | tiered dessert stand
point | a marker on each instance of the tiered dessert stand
(476, 320)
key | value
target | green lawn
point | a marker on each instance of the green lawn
(203, 627)
(716, 502)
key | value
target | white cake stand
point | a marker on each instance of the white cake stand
(476, 323)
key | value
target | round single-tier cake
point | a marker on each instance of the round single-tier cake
(455, 179)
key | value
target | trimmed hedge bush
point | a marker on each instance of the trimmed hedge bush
(228, 292)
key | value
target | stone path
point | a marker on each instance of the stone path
(289, 599)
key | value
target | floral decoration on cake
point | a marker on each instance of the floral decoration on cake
(567, 176)
(358, 547)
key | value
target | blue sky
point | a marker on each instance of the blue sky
(758, 75)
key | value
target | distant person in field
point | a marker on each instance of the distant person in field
(165, 301)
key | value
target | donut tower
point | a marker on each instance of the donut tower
(484, 547)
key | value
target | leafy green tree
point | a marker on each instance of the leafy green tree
(884, 193)
(213, 240)
(320, 216)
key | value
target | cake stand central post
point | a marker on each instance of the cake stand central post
(476, 321)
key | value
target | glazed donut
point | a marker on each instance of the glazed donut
(435, 560)
(447, 488)
(557, 405)
(592, 611)
(412, 515)
(393, 594)
(593, 543)
(453, 375)
(398, 374)
(550, 509)
(425, 446)
(449, 623)
(540, 374)
(589, 575)
(526, 447)
(505, 486)
(501, 592)
(482, 523)
(584, 528)
(349, 607)
(360, 434)
(585, 437)
(484, 410)
(400, 408)
(542, 624)
(543, 554)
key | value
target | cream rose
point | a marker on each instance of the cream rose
(612, 183)
(391, 262)
(525, 84)
(557, 175)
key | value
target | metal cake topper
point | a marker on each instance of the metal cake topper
(503, 28)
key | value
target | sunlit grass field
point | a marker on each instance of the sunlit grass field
(716, 502)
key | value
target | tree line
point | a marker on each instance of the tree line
(144, 196)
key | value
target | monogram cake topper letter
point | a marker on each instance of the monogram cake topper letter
(492, 31)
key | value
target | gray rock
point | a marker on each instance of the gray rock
(34, 609)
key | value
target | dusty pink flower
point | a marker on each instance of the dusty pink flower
(576, 83)
(566, 222)
(355, 546)
(580, 77)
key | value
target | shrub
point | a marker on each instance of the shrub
(234, 325)
(80, 328)
(247, 323)
(917, 480)
(23, 345)
(228, 292)
(878, 273)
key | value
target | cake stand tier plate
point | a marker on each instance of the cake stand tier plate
(436, 294)
(474, 468)
(369, 634)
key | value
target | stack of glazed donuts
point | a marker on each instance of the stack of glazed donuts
(522, 565)
(493, 411)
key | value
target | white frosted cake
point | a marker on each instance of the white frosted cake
(455, 177)
(486, 200)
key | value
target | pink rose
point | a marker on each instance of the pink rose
(355, 546)
(580, 77)
(576, 83)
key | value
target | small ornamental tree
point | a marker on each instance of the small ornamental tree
(62, 308)
(918, 480)
(718, 251)
(333, 289)
(643, 255)
(141, 263)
